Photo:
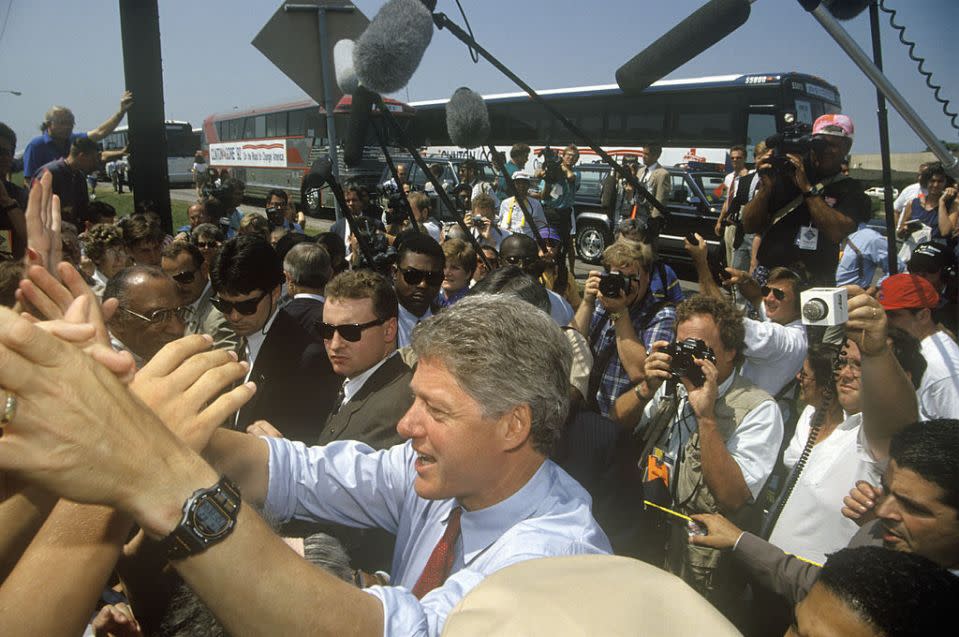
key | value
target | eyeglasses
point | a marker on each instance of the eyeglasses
(414, 277)
(520, 261)
(203, 245)
(779, 294)
(158, 317)
(854, 366)
(185, 278)
(351, 332)
(246, 308)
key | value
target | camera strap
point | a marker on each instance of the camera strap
(780, 214)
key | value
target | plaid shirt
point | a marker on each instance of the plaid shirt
(660, 327)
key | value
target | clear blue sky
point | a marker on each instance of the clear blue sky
(68, 52)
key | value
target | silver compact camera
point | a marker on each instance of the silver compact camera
(824, 306)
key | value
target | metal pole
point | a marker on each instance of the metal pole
(883, 116)
(949, 161)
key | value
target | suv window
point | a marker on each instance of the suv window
(710, 185)
(591, 183)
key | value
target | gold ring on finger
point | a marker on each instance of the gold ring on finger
(9, 410)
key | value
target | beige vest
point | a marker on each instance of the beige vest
(699, 565)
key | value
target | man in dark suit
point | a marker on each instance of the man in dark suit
(307, 270)
(359, 329)
(292, 386)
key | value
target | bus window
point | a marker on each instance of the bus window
(248, 129)
(276, 125)
(259, 126)
(236, 129)
(705, 123)
(804, 112)
(524, 121)
(635, 121)
(759, 126)
(297, 123)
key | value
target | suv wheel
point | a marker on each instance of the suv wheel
(591, 241)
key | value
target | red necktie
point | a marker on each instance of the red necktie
(440, 564)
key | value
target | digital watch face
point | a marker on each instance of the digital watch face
(210, 520)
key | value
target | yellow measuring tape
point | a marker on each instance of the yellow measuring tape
(689, 519)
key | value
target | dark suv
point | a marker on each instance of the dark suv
(692, 203)
(450, 177)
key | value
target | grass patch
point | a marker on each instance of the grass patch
(124, 203)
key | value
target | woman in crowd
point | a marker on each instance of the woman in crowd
(939, 209)
(460, 265)
(103, 244)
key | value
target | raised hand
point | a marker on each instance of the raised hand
(43, 224)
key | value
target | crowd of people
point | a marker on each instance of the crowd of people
(240, 428)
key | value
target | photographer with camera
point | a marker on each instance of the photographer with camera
(560, 184)
(939, 209)
(279, 212)
(805, 206)
(775, 344)
(702, 424)
(394, 185)
(518, 158)
(482, 221)
(621, 318)
(472, 176)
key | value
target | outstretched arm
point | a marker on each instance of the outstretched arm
(104, 129)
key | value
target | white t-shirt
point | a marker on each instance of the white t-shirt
(939, 389)
(905, 197)
(811, 524)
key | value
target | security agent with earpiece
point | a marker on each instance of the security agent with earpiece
(804, 206)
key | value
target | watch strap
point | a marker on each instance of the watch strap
(209, 516)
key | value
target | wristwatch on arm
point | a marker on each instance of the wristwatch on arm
(209, 516)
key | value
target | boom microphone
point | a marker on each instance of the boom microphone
(360, 113)
(467, 119)
(389, 51)
(705, 27)
(343, 66)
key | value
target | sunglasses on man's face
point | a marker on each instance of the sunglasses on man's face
(779, 294)
(520, 260)
(351, 332)
(158, 317)
(414, 277)
(203, 245)
(246, 308)
(185, 278)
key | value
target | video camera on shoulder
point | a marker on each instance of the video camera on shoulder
(397, 207)
(552, 164)
(683, 363)
(797, 139)
(384, 255)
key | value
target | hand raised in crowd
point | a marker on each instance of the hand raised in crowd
(720, 532)
(860, 505)
(116, 620)
(182, 379)
(866, 324)
(69, 403)
(656, 370)
(748, 286)
(126, 101)
(43, 224)
(698, 252)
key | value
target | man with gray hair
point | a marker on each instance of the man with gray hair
(58, 135)
(470, 493)
(307, 269)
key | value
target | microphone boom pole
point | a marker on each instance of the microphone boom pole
(440, 191)
(361, 241)
(396, 178)
(442, 21)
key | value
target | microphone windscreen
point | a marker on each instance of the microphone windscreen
(467, 119)
(387, 53)
(343, 65)
(703, 28)
(360, 112)
(845, 9)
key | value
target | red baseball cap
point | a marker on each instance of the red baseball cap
(907, 292)
(834, 124)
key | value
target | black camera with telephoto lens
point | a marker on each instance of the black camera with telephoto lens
(479, 221)
(683, 363)
(397, 207)
(275, 215)
(796, 139)
(612, 285)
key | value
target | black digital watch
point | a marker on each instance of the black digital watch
(209, 516)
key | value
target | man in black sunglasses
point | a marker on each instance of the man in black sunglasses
(417, 280)
(291, 384)
(183, 262)
(776, 342)
(150, 314)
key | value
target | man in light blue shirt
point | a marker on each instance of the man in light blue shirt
(489, 403)
(864, 251)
